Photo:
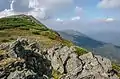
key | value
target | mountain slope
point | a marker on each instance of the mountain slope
(101, 48)
(27, 26)
(30, 50)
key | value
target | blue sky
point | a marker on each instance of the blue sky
(82, 15)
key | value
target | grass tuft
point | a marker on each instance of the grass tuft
(80, 51)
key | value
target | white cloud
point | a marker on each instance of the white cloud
(104, 20)
(75, 18)
(49, 3)
(8, 12)
(38, 13)
(59, 20)
(110, 20)
(109, 4)
(40, 9)
(49, 6)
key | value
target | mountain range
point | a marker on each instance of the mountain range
(107, 36)
(98, 47)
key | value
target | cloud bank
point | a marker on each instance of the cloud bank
(41, 9)
(109, 4)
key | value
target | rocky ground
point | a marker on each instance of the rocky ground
(24, 59)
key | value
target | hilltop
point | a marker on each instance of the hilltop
(30, 50)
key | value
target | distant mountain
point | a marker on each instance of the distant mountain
(105, 49)
(107, 36)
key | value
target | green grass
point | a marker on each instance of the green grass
(116, 67)
(80, 51)
(24, 21)
(26, 26)
(36, 32)
(67, 43)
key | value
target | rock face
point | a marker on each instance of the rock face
(87, 66)
(28, 61)
(28, 64)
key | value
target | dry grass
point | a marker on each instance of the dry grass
(6, 62)
(9, 35)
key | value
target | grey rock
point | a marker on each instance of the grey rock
(88, 66)
(73, 65)
(34, 66)
(38, 63)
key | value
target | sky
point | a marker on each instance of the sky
(87, 16)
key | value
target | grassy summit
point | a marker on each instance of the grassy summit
(25, 26)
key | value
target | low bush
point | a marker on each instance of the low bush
(80, 51)
(5, 40)
(35, 33)
(116, 67)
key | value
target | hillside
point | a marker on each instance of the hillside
(27, 26)
(104, 49)
(30, 50)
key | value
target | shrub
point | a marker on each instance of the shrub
(116, 67)
(67, 43)
(80, 51)
(50, 34)
(5, 40)
(35, 33)
(12, 38)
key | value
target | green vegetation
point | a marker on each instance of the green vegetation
(24, 21)
(36, 33)
(67, 43)
(80, 51)
(26, 26)
(23, 28)
(5, 40)
(52, 35)
(116, 67)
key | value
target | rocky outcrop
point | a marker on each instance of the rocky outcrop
(26, 60)
(87, 66)
(28, 64)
